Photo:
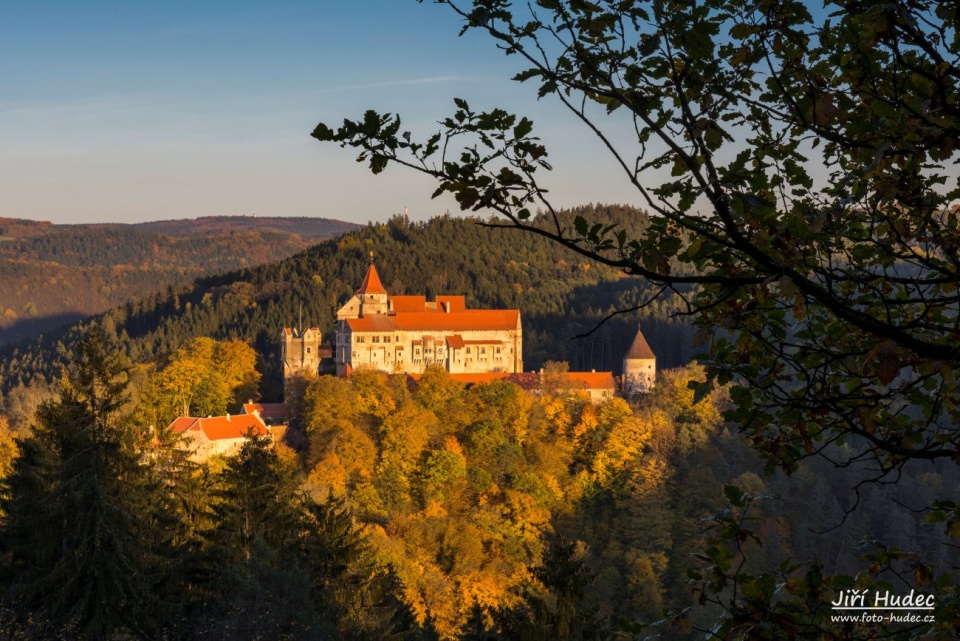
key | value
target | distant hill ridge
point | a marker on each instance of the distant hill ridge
(51, 274)
(303, 225)
(308, 227)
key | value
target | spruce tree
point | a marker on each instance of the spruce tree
(81, 552)
(287, 565)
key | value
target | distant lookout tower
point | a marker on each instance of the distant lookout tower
(639, 367)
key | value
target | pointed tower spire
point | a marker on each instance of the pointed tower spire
(371, 283)
(372, 294)
(640, 348)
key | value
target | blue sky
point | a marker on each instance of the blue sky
(128, 111)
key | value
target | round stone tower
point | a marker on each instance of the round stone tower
(639, 367)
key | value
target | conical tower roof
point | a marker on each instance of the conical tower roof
(371, 283)
(639, 349)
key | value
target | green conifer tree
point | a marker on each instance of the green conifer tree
(82, 549)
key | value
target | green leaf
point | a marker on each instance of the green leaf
(527, 74)
(740, 31)
(323, 133)
(735, 495)
(524, 127)
(580, 224)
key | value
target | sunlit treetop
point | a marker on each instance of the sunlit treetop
(797, 162)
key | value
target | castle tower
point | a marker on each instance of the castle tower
(300, 351)
(639, 367)
(372, 294)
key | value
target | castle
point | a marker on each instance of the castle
(405, 334)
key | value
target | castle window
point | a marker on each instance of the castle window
(386, 339)
(468, 350)
(308, 350)
(497, 350)
(359, 339)
(375, 339)
(483, 350)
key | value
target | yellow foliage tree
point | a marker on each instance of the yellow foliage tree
(9, 450)
(208, 377)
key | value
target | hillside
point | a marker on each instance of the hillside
(53, 275)
(558, 295)
(476, 501)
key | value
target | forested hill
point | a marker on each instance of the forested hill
(52, 275)
(559, 296)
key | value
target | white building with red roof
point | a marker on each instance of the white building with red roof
(405, 334)
(217, 435)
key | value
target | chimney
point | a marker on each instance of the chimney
(228, 416)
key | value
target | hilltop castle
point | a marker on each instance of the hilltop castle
(405, 334)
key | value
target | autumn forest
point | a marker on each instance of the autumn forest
(394, 509)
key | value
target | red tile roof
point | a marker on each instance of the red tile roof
(267, 411)
(531, 380)
(480, 377)
(455, 341)
(593, 380)
(469, 320)
(403, 304)
(453, 303)
(372, 323)
(181, 423)
(371, 283)
(220, 427)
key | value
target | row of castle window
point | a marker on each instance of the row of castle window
(387, 339)
(376, 339)
(417, 350)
